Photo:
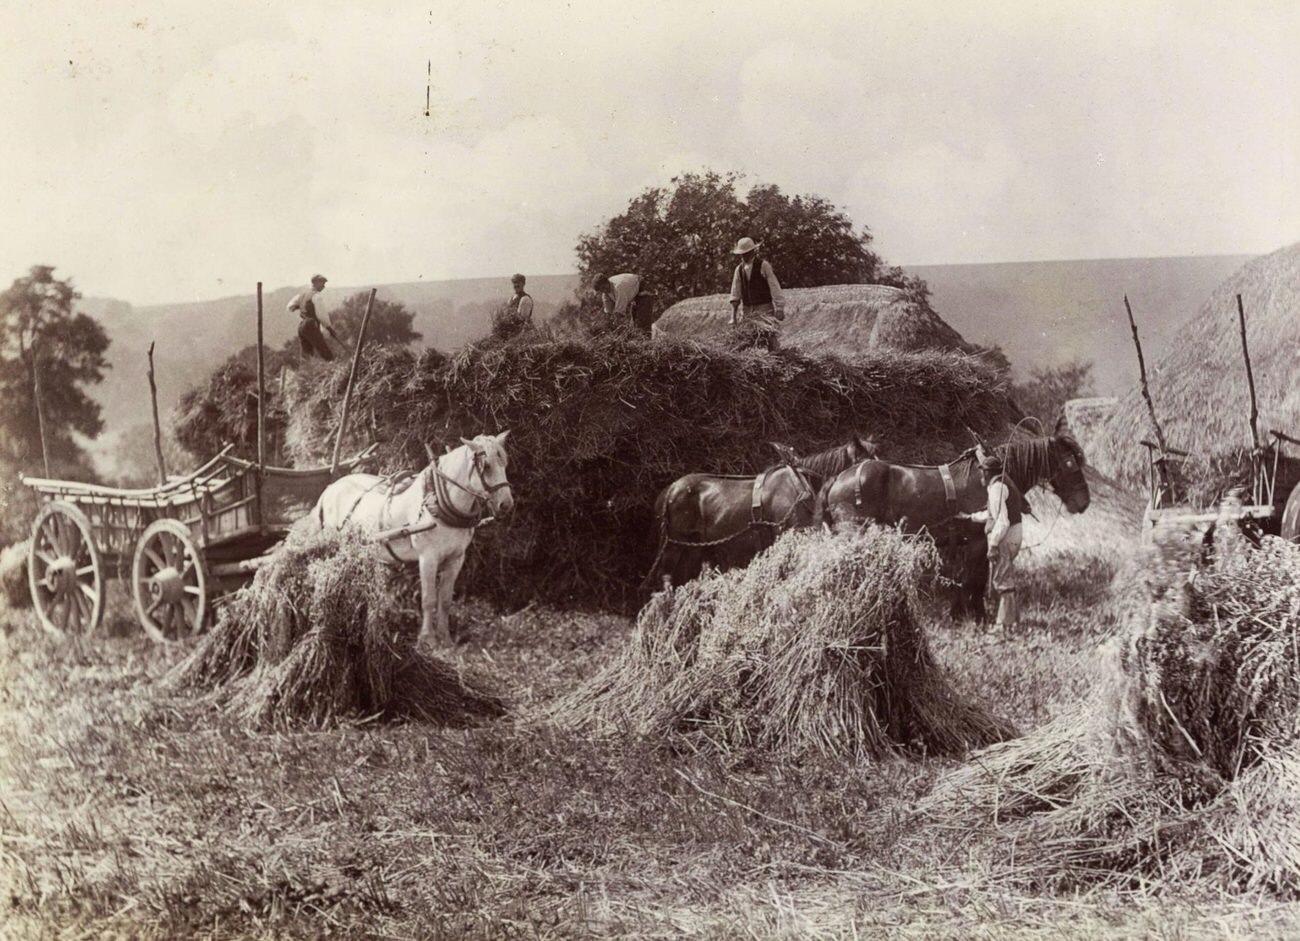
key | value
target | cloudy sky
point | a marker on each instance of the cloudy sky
(179, 151)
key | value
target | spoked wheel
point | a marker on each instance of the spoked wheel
(169, 582)
(65, 572)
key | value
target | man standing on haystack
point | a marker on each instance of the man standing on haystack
(520, 305)
(1004, 532)
(756, 296)
(620, 293)
(309, 323)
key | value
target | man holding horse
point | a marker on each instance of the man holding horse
(1004, 532)
(756, 293)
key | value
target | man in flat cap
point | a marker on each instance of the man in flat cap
(310, 322)
(756, 297)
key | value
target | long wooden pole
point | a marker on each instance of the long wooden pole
(261, 387)
(1250, 376)
(157, 426)
(40, 406)
(1142, 374)
(352, 377)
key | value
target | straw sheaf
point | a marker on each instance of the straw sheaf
(1186, 764)
(843, 319)
(1199, 387)
(13, 575)
(324, 633)
(598, 427)
(815, 647)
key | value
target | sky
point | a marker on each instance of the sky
(165, 152)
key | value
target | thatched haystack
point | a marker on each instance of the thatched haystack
(845, 319)
(1187, 766)
(1199, 386)
(323, 633)
(598, 427)
(13, 576)
(224, 411)
(816, 646)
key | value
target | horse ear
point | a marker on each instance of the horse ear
(466, 441)
(501, 438)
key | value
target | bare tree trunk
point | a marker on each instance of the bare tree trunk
(40, 407)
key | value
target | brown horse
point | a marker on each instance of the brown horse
(914, 497)
(725, 520)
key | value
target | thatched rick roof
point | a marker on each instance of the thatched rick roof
(837, 318)
(1199, 386)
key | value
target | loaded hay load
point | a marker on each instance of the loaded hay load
(325, 632)
(844, 319)
(815, 647)
(599, 426)
(1185, 766)
(1199, 387)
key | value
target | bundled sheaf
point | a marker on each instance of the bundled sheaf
(1187, 765)
(599, 426)
(815, 646)
(324, 632)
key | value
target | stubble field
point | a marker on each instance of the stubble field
(129, 812)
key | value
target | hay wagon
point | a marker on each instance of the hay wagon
(181, 543)
(1256, 506)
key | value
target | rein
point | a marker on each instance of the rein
(443, 509)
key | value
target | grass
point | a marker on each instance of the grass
(129, 811)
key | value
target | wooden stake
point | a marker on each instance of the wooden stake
(1250, 375)
(157, 427)
(40, 408)
(1142, 374)
(352, 377)
(261, 387)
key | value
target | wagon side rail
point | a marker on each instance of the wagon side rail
(176, 490)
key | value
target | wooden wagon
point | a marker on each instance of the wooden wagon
(181, 543)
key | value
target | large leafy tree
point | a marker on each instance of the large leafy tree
(390, 322)
(43, 340)
(679, 239)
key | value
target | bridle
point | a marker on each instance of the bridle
(438, 497)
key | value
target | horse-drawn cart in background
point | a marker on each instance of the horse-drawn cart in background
(181, 543)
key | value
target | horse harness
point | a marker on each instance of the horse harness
(806, 492)
(437, 499)
(945, 474)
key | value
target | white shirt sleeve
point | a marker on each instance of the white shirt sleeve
(773, 285)
(998, 495)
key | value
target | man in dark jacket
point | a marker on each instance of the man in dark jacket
(309, 321)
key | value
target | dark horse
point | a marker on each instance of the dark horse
(725, 520)
(914, 497)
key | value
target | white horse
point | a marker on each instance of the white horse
(427, 518)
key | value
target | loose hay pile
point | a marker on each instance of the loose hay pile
(13, 576)
(325, 632)
(1187, 767)
(814, 646)
(598, 427)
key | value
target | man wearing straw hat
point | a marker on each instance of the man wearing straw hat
(309, 323)
(756, 296)
(1004, 533)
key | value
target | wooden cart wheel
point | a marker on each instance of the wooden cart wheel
(169, 582)
(64, 571)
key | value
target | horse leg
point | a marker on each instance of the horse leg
(431, 627)
(448, 572)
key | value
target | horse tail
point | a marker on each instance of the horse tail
(661, 526)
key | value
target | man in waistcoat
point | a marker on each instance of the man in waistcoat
(756, 297)
(520, 305)
(309, 322)
(1004, 532)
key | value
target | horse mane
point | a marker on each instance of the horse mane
(831, 461)
(1030, 460)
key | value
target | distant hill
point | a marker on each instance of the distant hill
(1040, 313)
(1046, 313)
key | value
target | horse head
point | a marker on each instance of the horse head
(488, 460)
(1066, 474)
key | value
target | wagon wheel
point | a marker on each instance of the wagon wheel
(169, 582)
(64, 571)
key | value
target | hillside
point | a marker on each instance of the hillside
(192, 339)
(1045, 313)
